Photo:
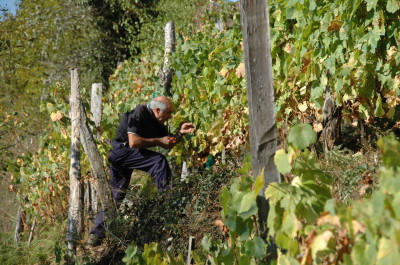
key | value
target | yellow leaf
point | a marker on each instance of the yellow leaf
(288, 48)
(321, 242)
(240, 70)
(358, 227)
(224, 72)
(303, 107)
(391, 53)
(56, 116)
(317, 127)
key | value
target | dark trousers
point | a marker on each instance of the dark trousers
(123, 161)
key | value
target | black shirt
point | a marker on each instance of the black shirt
(142, 122)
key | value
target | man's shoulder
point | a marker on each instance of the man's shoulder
(139, 110)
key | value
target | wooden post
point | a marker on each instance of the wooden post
(75, 214)
(95, 116)
(95, 106)
(260, 92)
(185, 171)
(96, 163)
(19, 226)
(190, 248)
(31, 232)
(331, 115)
(167, 73)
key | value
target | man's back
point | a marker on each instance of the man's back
(142, 122)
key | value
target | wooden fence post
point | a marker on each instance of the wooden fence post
(75, 214)
(95, 116)
(95, 106)
(19, 226)
(190, 248)
(96, 163)
(167, 73)
(258, 65)
(185, 171)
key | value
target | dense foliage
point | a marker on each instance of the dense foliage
(349, 46)
(209, 89)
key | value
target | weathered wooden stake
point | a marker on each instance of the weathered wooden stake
(190, 247)
(98, 171)
(19, 226)
(31, 232)
(75, 214)
(95, 116)
(185, 171)
(260, 92)
(331, 115)
(167, 73)
(95, 105)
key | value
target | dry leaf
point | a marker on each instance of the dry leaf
(303, 107)
(391, 52)
(240, 70)
(288, 48)
(317, 127)
(358, 227)
(329, 219)
(56, 116)
(224, 72)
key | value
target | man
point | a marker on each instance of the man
(140, 129)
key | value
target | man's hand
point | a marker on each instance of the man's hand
(187, 128)
(167, 142)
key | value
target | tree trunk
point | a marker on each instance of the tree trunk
(260, 92)
(167, 73)
(98, 171)
(75, 215)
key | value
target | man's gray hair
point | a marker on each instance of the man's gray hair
(154, 104)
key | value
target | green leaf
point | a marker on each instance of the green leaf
(250, 248)
(259, 183)
(275, 192)
(392, 6)
(388, 252)
(289, 224)
(379, 112)
(285, 260)
(321, 243)
(389, 180)
(371, 4)
(330, 206)
(396, 205)
(302, 135)
(248, 205)
(228, 256)
(313, 5)
(260, 247)
(282, 161)
(317, 92)
(367, 88)
(363, 254)
(225, 198)
(390, 147)
(243, 228)
(206, 243)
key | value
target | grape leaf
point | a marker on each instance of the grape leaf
(302, 135)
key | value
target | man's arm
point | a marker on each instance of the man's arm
(136, 141)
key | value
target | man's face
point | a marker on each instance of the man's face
(163, 116)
